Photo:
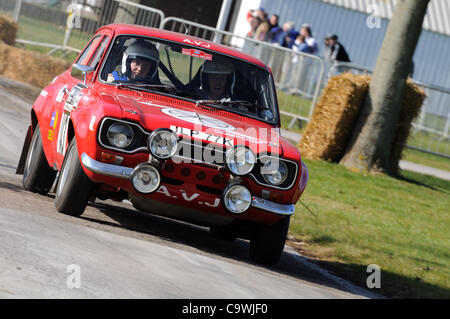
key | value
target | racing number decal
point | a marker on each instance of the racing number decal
(71, 104)
(201, 135)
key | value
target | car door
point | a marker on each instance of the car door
(70, 91)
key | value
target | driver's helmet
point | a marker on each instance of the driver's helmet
(143, 50)
(218, 67)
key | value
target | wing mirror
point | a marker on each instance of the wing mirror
(80, 71)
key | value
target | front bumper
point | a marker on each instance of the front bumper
(123, 172)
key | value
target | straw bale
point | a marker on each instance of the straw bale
(409, 110)
(334, 119)
(8, 30)
(327, 134)
(29, 67)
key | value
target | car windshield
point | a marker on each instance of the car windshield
(208, 78)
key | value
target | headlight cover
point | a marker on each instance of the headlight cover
(237, 198)
(163, 143)
(274, 172)
(145, 178)
(120, 135)
(240, 160)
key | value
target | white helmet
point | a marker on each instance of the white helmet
(140, 49)
(218, 67)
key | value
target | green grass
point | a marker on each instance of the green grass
(430, 141)
(293, 104)
(402, 225)
(426, 159)
(40, 31)
(435, 122)
(296, 105)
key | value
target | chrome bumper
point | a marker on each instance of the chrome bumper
(105, 169)
(125, 173)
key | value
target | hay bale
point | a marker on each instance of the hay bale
(8, 30)
(29, 67)
(329, 131)
(409, 110)
(334, 119)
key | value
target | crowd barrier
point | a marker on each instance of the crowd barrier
(299, 77)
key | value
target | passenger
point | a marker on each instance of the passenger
(139, 63)
(217, 80)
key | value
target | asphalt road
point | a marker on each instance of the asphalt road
(113, 251)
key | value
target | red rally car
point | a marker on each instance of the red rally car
(179, 126)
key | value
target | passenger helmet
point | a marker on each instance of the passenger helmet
(218, 67)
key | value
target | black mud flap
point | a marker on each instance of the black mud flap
(26, 145)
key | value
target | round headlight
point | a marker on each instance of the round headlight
(163, 143)
(145, 178)
(120, 135)
(274, 172)
(237, 199)
(240, 160)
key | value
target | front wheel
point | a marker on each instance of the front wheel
(267, 242)
(74, 187)
(38, 176)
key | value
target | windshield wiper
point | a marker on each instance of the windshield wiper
(229, 101)
(145, 86)
(149, 87)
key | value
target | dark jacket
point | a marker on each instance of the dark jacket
(338, 53)
(274, 34)
(290, 35)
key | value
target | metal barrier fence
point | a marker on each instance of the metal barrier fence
(298, 75)
(69, 27)
(431, 128)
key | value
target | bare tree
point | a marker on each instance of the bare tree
(370, 147)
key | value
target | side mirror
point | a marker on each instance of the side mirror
(80, 71)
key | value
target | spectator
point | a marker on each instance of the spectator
(253, 20)
(310, 41)
(274, 31)
(300, 45)
(298, 72)
(288, 36)
(263, 27)
(335, 50)
(261, 14)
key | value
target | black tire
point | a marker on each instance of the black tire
(74, 188)
(38, 176)
(267, 242)
(223, 232)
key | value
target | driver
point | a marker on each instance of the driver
(139, 63)
(217, 80)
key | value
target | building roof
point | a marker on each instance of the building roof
(437, 18)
